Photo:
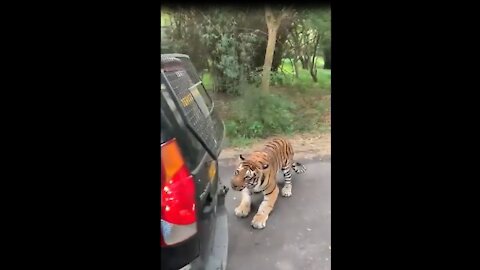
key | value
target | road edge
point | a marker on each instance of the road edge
(304, 156)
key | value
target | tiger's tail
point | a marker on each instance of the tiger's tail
(298, 167)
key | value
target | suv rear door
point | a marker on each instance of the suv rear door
(188, 115)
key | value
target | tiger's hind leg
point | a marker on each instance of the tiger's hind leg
(298, 168)
(287, 187)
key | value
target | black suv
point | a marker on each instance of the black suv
(193, 220)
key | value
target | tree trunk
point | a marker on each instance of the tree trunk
(297, 50)
(313, 72)
(304, 62)
(326, 57)
(277, 56)
(313, 66)
(267, 66)
(294, 65)
(273, 23)
(305, 59)
(216, 82)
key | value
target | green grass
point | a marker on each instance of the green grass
(165, 18)
(240, 142)
(207, 80)
(304, 80)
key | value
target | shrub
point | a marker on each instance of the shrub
(258, 114)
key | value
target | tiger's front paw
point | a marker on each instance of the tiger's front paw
(259, 221)
(242, 211)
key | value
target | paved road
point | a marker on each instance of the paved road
(297, 235)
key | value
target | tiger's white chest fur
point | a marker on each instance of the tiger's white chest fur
(258, 187)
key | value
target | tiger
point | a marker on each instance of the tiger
(257, 173)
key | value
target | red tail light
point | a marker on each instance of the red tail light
(177, 197)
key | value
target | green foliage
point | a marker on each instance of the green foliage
(184, 37)
(207, 80)
(230, 51)
(240, 142)
(320, 21)
(228, 46)
(310, 36)
(304, 82)
(228, 41)
(257, 114)
(213, 40)
(322, 107)
(165, 18)
(277, 78)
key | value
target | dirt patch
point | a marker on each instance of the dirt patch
(306, 146)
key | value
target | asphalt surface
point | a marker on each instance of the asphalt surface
(297, 235)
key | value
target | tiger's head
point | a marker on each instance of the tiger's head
(247, 174)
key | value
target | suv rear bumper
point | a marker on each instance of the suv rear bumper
(217, 260)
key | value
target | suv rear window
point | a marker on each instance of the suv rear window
(180, 76)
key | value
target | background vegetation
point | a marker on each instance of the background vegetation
(231, 49)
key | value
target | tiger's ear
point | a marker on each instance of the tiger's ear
(265, 166)
(241, 157)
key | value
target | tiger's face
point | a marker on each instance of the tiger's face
(244, 177)
(247, 175)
